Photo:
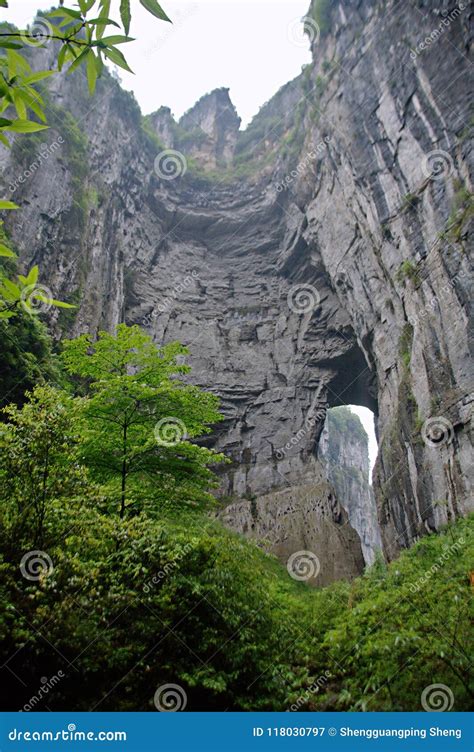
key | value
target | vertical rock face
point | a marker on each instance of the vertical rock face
(216, 117)
(344, 452)
(207, 132)
(328, 264)
(304, 523)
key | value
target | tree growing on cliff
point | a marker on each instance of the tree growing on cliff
(138, 418)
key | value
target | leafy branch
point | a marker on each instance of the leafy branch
(81, 42)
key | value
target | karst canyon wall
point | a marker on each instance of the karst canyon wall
(318, 258)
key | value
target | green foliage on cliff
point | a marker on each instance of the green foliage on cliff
(26, 351)
(26, 356)
(320, 12)
(344, 422)
(408, 270)
(407, 626)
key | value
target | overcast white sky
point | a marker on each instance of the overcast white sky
(250, 46)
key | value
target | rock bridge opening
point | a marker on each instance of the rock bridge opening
(347, 450)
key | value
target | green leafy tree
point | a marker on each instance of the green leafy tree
(40, 466)
(139, 416)
(26, 357)
(81, 39)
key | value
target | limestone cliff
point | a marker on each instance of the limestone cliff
(344, 452)
(207, 132)
(328, 263)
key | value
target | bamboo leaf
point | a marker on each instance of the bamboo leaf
(155, 9)
(32, 277)
(125, 14)
(91, 70)
(116, 57)
(26, 126)
(116, 39)
(6, 252)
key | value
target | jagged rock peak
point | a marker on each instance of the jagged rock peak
(208, 131)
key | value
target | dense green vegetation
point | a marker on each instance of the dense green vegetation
(26, 350)
(26, 356)
(126, 598)
(137, 417)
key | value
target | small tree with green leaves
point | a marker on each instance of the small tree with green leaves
(40, 465)
(139, 418)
